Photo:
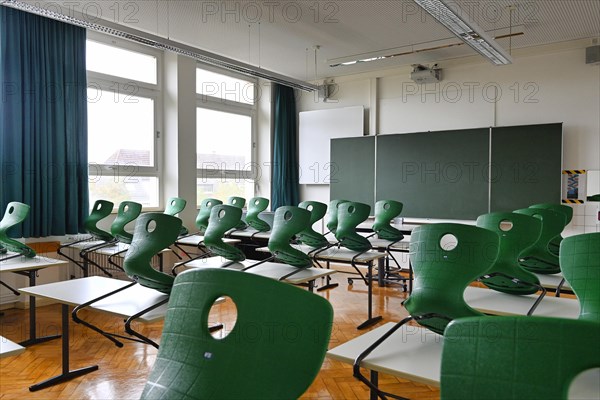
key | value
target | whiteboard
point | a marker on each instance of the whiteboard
(317, 128)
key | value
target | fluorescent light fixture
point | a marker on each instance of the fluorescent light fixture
(467, 31)
(158, 42)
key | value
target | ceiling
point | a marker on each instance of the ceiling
(281, 35)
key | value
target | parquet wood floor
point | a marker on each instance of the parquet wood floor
(123, 371)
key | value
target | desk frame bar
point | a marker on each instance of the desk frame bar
(67, 374)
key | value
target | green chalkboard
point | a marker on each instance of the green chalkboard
(440, 174)
(353, 169)
(526, 166)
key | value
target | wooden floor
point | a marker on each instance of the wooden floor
(123, 371)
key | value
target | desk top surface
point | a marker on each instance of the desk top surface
(268, 269)
(491, 302)
(29, 264)
(411, 352)
(9, 348)
(248, 233)
(126, 303)
(195, 240)
(552, 281)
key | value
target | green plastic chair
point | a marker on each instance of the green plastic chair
(350, 215)
(441, 275)
(153, 232)
(100, 210)
(554, 245)
(14, 214)
(288, 222)
(258, 359)
(222, 219)
(149, 240)
(175, 205)
(204, 213)
(309, 236)
(256, 205)
(580, 265)
(517, 232)
(538, 258)
(385, 212)
(515, 358)
(332, 215)
(238, 202)
(128, 211)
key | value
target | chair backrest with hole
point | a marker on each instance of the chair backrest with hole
(174, 206)
(288, 222)
(204, 212)
(238, 202)
(538, 258)
(15, 214)
(332, 214)
(256, 205)
(153, 233)
(128, 212)
(350, 215)
(554, 245)
(309, 236)
(223, 218)
(445, 259)
(101, 210)
(385, 212)
(514, 358)
(580, 265)
(517, 232)
(274, 351)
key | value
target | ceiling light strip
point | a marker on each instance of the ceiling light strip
(147, 39)
(467, 31)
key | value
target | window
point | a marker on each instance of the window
(225, 127)
(123, 121)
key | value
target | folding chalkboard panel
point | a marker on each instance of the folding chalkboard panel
(526, 166)
(435, 174)
(353, 169)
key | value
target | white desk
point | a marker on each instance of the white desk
(248, 233)
(552, 281)
(268, 269)
(197, 240)
(415, 353)
(9, 348)
(79, 291)
(492, 302)
(29, 267)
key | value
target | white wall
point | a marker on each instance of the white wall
(543, 85)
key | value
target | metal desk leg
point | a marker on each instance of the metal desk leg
(33, 339)
(381, 272)
(370, 319)
(67, 374)
(374, 381)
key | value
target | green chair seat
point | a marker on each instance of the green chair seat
(238, 202)
(274, 350)
(153, 233)
(101, 210)
(567, 211)
(537, 258)
(222, 219)
(309, 236)
(442, 274)
(288, 222)
(350, 214)
(332, 214)
(14, 214)
(516, 358)
(128, 212)
(385, 212)
(204, 213)
(580, 264)
(517, 232)
(256, 205)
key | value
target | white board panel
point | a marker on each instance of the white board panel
(317, 128)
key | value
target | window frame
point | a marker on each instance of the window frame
(207, 102)
(108, 83)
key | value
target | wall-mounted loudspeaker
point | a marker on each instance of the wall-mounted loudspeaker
(592, 55)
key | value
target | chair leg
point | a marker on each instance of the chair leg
(559, 287)
(15, 292)
(132, 332)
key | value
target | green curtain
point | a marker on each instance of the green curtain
(284, 180)
(43, 126)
